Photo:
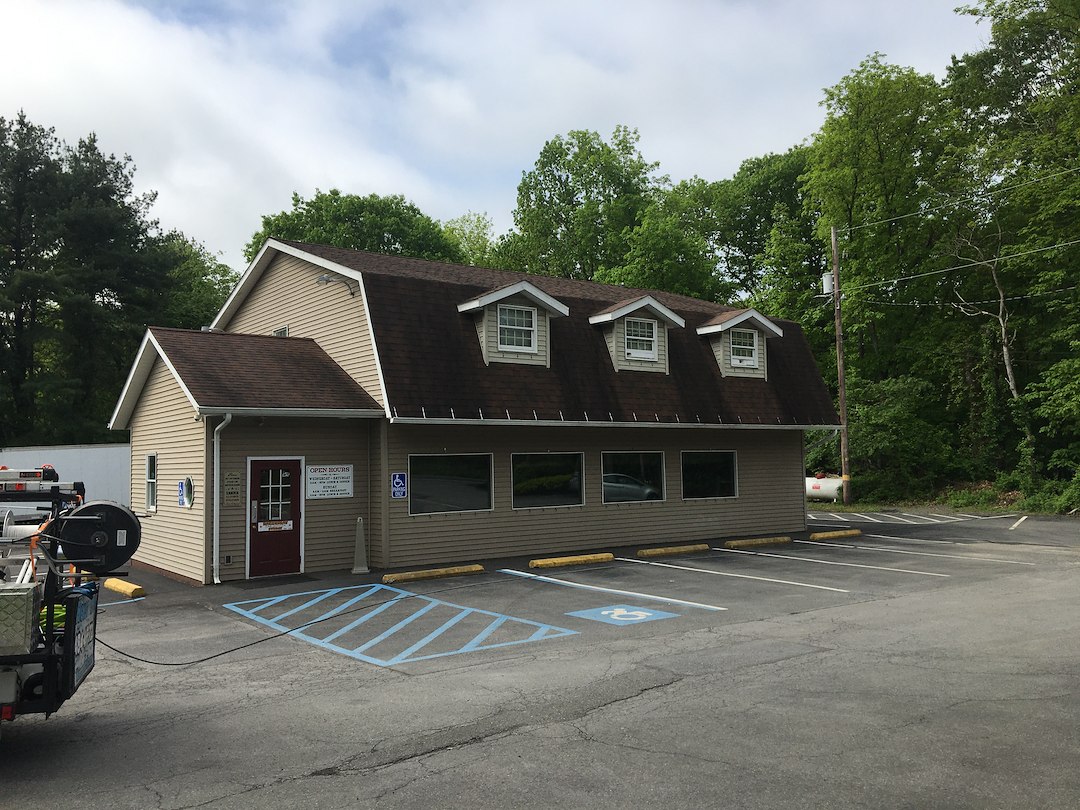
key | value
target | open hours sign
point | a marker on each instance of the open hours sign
(329, 481)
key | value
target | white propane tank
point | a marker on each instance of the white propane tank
(824, 489)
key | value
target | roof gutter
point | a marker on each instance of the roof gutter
(411, 420)
(336, 413)
(217, 497)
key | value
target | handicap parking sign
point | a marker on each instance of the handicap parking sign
(623, 614)
(399, 485)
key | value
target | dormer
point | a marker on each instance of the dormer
(738, 341)
(636, 333)
(513, 323)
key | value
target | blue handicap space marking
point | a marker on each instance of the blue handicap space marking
(623, 614)
(383, 625)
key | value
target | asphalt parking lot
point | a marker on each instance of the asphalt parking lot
(932, 661)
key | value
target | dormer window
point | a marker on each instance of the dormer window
(744, 348)
(641, 339)
(517, 329)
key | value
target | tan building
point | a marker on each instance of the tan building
(459, 413)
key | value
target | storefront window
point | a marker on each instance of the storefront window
(709, 474)
(633, 477)
(449, 483)
(547, 479)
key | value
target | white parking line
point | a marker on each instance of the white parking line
(830, 562)
(920, 517)
(1021, 520)
(867, 517)
(894, 518)
(729, 574)
(914, 540)
(947, 517)
(838, 517)
(570, 584)
(919, 553)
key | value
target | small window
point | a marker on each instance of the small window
(630, 477)
(151, 482)
(547, 479)
(744, 348)
(450, 483)
(281, 331)
(709, 474)
(517, 329)
(640, 339)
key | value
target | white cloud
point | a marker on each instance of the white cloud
(228, 108)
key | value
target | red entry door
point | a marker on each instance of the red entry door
(274, 517)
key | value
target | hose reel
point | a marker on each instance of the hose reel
(98, 537)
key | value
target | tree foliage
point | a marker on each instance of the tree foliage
(381, 224)
(83, 271)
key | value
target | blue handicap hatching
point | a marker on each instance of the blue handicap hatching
(365, 600)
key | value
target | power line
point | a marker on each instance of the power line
(918, 304)
(961, 266)
(986, 193)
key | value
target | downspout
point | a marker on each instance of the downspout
(217, 496)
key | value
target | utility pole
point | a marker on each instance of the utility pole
(845, 468)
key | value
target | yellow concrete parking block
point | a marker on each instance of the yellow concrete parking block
(128, 589)
(432, 573)
(756, 541)
(668, 551)
(836, 535)
(578, 559)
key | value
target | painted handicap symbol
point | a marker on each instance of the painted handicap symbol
(622, 615)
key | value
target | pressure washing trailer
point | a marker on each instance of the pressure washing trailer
(48, 594)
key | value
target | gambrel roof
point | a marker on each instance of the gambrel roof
(431, 366)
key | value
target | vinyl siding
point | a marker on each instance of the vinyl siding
(488, 331)
(329, 523)
(770, 486)
(288, 295)
(173, 537)
(615, 335)
(721, 346)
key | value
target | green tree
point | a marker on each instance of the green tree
(77, 285)
(375, 223)
(198, 281)
(578, 206)
(474, 234)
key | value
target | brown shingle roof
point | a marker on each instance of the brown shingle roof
(233, 371)
(432, 363)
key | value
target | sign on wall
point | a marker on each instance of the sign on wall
(230, 489)
(399, 485)
(330, 481)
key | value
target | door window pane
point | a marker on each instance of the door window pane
(547, 479)
(451, 483)
(633, 477)
(709, 474)
(275, 494)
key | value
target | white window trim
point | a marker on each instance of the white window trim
(739, 361)
(151, 507)
(281, 331)
(735, 464)
(555, 506)
(491, 485)
(641, 354)
(533, 349)
(663, 475)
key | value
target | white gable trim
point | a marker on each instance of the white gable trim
(750, 317)
(530, 291)
(136, 381)
(645, 302)
(254, 272)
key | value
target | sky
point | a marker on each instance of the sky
(227, 107)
